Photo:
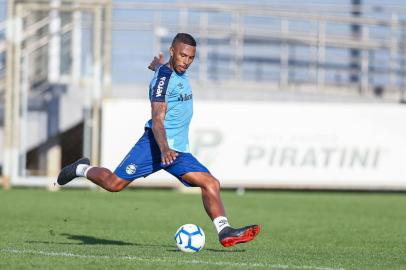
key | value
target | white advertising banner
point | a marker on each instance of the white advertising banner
(278, 144)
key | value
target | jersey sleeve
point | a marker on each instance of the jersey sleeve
(160, 87)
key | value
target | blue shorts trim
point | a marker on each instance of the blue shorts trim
(145, 158)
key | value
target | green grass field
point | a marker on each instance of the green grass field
(83, 229)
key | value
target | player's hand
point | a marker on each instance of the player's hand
(157, 61)
(168, 156)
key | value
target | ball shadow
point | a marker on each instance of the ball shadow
(213, 250)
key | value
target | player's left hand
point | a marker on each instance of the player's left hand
(168, 156)
(156, 62)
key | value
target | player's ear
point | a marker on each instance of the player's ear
(171, 51)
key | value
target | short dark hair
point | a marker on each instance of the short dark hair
(184, 38)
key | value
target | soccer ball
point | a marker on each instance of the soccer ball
(190, 238)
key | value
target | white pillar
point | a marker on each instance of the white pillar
(54, 59)
(76, 46)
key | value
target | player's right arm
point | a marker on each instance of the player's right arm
(158, 110)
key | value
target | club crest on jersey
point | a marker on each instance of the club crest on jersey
(160, 86)
(131, 168)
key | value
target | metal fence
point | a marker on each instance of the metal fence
(359, 50)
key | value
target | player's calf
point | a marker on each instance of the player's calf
(102, 177)
(106, 179)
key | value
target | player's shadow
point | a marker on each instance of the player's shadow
(91, 240)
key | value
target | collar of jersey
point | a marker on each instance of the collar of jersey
(179, 74)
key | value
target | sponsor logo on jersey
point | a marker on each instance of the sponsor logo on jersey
(131, 168)
(160, 86)
(180, 85)
(185, 97)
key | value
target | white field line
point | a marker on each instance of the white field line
(158, 260)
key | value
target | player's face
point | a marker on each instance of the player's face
(182, 56)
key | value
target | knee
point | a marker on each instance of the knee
(212, 184)
(114, 188)
(116, 185)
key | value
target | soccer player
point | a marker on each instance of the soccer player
(165, 143)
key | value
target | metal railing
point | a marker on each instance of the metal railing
(288, 46)
(316, 46)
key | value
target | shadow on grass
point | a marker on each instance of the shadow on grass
(91, 240)
(225, 250)
(214, 250)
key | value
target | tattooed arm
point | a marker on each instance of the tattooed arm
(158, 116)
